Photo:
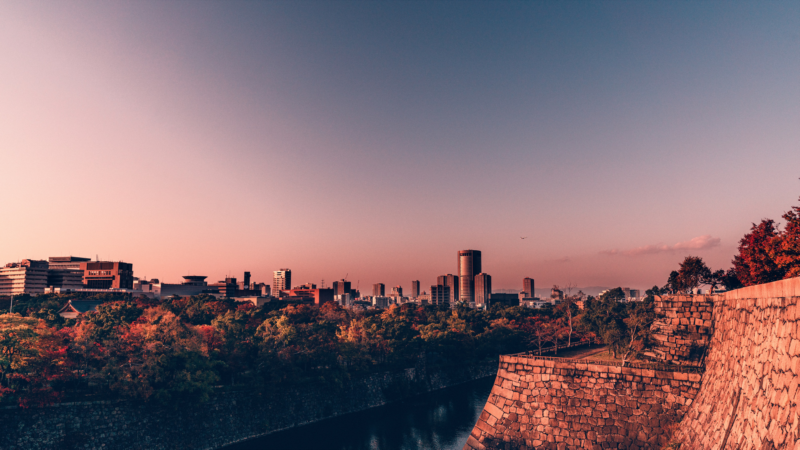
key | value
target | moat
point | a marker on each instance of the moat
(441, 420)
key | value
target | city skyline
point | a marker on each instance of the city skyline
(282, 279)
(332, 133)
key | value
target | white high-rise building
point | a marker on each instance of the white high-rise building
(281, 281)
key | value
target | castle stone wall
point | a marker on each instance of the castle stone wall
(682, 329)
(571, 404)
(750, 397)
(747, 399)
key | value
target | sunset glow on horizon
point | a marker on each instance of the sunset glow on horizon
(375, 140)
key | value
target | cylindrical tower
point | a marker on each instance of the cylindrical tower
(469, 265)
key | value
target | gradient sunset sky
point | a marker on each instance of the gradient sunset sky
(377, 139)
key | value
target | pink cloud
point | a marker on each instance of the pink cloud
(699, 243)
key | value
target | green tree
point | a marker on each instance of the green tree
(110, 317)
(692, 273)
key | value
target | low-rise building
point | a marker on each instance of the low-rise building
(257, 301)
(26, 277)
(343, 299)
(107, 275)
(535, 302)
(192, 285)
(504, 299)
(382, 302)
(318, 296)
(75, 308)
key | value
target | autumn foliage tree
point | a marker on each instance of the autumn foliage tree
(786, 245)
(160, 357)
(33, 360)
(755, 263)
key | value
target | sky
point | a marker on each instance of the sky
(373, 140)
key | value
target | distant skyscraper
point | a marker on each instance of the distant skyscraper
(281, 281)
(527, 287)
(469, 265)
(397, 291)
(483, 288)
(440, 295)
(378, 290)
(453, 282)
(415, 289)
(341, 287)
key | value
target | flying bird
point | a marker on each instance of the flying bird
(526, 237)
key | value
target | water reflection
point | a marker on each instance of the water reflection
(438, 421)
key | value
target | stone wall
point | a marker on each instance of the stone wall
(750, 397)
(571, 404)
(682, 329)
(227, 418)
(749, 394)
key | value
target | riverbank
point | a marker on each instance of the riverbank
(229, 417)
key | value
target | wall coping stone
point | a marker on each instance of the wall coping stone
(599, 365)
(789, 287)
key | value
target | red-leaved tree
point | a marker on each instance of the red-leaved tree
(755, 263)
(786, 246)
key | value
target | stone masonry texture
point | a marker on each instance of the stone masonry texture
(551, 404)
(747, 398)
(682, 329)
(227, 418)
(750, 398)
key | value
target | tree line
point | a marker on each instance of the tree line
(182, 348)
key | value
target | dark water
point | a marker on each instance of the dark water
(441, 420)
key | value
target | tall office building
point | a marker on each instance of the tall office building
(397, 291)
(440, 295)
(378, 290)
(341, 287)
(415, 289)
(527, 287)
(453, 282)
(483, 289)
(246, 283)
(469, 265)
(281, 281)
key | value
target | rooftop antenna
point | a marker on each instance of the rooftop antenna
(323, 284)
